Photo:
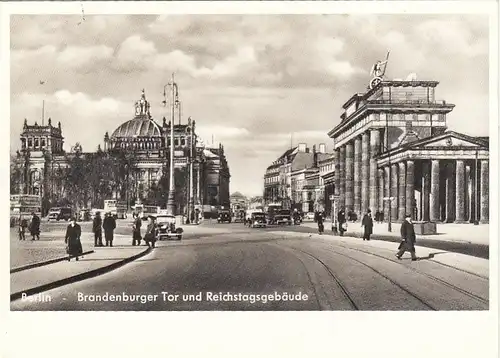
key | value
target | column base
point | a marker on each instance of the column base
(484, 221)
(461, 222)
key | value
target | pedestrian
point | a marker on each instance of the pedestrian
(408, 239)
(321, 226)
(341, 220)
(72, 239)
(150, 236)
(367, 223)
(23, 224)
(136, 231)
(109, 225)
(97, 229)
(35, 227)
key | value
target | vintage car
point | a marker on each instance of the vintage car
(165, 228)
(283, 217)
(309, 216)
(224, 216)
(258, 220)
(59, 214)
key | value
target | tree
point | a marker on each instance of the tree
(78, 186)
(16, 173)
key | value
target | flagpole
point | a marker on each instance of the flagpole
(43, 112)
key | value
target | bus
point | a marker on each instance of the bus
(144, 210)
(117, 208)
(21, 207)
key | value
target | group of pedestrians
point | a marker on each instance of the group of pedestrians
(108, 225)
(408, 237)
(149, 236)
(33, 227)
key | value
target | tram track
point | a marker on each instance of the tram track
(431, 277)
(343, 289)
(345, 292)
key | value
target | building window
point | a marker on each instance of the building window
(23, 143)
(36, 143)
(183, 141)
(43, 142)
(176, 142)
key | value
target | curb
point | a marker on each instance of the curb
(48, 262)
(80, 277)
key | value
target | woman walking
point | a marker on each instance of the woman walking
(72, 239)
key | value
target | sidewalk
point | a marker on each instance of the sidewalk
(461, 233)
(43, 278)
(474, 265)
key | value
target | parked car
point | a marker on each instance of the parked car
(309, 216)
(59, 214)
(224, 216)
(258, 220)
(165, 228)
(283, 217)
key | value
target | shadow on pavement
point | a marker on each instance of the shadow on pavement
(431, 255)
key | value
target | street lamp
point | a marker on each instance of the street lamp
(175, 99)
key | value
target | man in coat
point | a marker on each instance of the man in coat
(136, 231)
(109, 225)
(35, 227)
(367, 223)
(319, 220)
(408, 239)
(97, 229)
(150, 236)
(341, 221)
(72, 239)
(23, 224)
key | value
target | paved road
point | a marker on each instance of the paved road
(250, 269)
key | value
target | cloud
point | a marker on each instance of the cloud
(143, 54)
(83, 118)
(435, 33)
(222, 133)
(230, 65)
(76, 57)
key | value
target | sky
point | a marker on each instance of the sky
(256, 83)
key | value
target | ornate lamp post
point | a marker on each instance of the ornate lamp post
(175, 99)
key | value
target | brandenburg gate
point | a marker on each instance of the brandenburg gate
(393, 154)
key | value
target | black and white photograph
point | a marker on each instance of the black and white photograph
(252, 161)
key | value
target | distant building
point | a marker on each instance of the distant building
(283, 182)
(43, 159)
(393, 154)
(238, 201)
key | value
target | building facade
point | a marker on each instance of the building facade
(327, 183)
(201, 173)
(284, 179)
(393, 154)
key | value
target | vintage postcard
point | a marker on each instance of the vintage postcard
(252, 158)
